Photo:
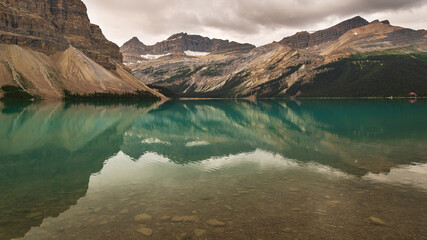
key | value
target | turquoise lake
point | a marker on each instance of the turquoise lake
(310, 169)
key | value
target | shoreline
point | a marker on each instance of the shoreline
(202, 99)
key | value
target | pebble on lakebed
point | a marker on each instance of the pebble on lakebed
(143, 218)
(376, 221)
(185, 219)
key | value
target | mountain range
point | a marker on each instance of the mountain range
(354, 58)
(49, 49)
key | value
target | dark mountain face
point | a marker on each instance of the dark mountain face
(178, 44)
(52, 25)
(305, 39)
(182, 42)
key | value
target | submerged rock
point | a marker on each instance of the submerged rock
(215, 223)
(145, 231)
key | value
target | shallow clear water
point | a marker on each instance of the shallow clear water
(214, 170)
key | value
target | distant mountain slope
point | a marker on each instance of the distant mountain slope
(178, 44)
(287, 70)
(305, 39)
(49, 47)
(367, 76)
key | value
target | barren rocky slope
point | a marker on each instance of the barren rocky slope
(49, 47)
(273, 70)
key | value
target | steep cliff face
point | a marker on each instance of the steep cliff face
(28, 29)
(49, 48)
(52, 25)
(177, 44)
(305, 39)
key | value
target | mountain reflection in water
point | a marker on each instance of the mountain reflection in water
(52, 153)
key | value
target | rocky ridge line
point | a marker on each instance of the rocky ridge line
(177, 44)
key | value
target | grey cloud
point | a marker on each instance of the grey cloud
(244, 20)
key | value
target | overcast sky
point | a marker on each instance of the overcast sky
(254, 21)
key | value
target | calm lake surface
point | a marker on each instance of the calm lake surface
(331, 169)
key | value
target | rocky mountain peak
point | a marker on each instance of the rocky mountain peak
(133, 42)
(348, 24)
(353, 20)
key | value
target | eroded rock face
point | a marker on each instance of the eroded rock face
(305, 39)
(178, 44)
(50, 26)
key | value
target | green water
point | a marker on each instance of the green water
(332, 169)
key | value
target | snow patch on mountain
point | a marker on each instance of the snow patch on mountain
(196, 54)
(152, 56)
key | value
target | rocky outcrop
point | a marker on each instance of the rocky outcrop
(178, 44)
(52, 25)
(305, 39)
